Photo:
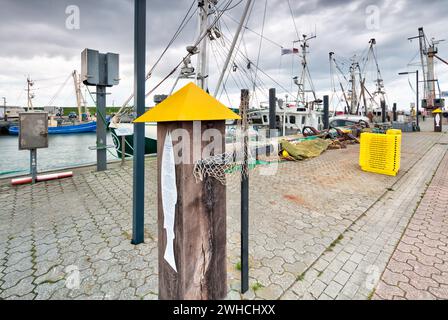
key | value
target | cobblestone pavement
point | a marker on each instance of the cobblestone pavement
(350, 268)
(53, 232)
(418, 268)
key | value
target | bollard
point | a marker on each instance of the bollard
(394, 110)
(437, 120)
(326, 115)
(191, 213)
(272, 109)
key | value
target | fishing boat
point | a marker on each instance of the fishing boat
(70, 129)
(150, 138)
(303, 111)
(354, 96)
(56, 126)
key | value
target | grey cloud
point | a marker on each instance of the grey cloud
(36, 28)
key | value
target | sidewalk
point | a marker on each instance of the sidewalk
(418, 268)
(351, 267)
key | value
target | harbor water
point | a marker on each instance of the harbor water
(64, 151)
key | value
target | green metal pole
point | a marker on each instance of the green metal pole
(139, 128)
(101, 132)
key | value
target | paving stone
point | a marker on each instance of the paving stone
(415, 266)
(333, 289)
(341, 277)
(270, 292)
(22, 288)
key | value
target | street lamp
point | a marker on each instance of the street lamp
(416, 91)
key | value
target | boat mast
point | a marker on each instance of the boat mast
(78, 94)
(422, 48)
(353, 93)
(232, 47)
(305, 73)
(429, 80)
(202, 63)
(30, 95)
(432, 51)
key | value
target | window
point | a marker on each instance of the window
(292, 119)
(277, 118)
(265, 119)
(342, 123)
(303, 120)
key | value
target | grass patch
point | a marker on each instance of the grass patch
(126, 235)
(335, 242)
(320, 273)
(257, 286)
(238, 266)
(300, 277)
(370, 296)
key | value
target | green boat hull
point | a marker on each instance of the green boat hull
(150, 145)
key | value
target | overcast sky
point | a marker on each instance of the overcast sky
(35, 41)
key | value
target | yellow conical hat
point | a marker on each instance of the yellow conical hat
(190, 103)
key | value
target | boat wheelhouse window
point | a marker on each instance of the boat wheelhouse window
(257, 121)
(277, 118)
(292, 119)
(265, 119)
(303, 120)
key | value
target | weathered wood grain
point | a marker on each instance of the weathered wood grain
(200, 227)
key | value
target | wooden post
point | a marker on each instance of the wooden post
(200, 227)
(244, 195)
(272, 109)
(438, 120)
(394, 110)
(326, 115)
(191, 213)
(383, 111)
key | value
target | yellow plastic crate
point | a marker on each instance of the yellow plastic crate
(380, 153)
(394, 131)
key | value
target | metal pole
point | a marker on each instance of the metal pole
(394, 111)
(383, 111)
(33, 164)
(244, 197)
(123, 149)
(202, 69)
(326, 116)
(139, 128)
(101, 133)
(417, 102)
(232, 47)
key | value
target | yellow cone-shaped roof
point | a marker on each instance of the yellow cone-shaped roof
(437, 111)
(190, 103)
